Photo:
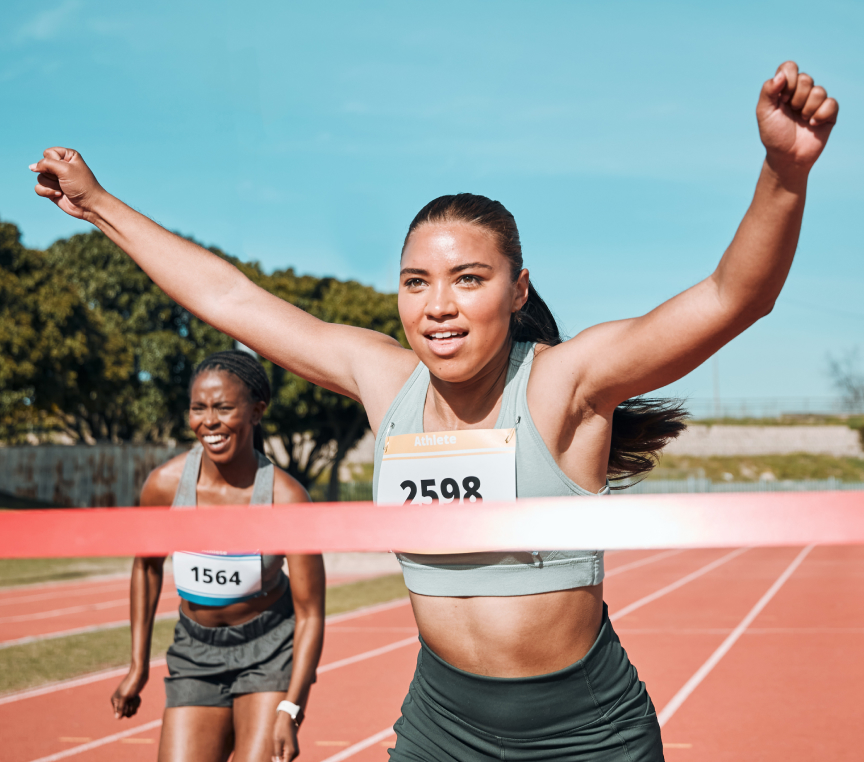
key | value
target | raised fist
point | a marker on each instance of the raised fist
(66, 180)
(795, 117)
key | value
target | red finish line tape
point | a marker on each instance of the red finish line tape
(627, 521)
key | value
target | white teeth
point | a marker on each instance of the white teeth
(214, 438)
(444, 334)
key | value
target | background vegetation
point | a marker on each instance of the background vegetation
(94, 352)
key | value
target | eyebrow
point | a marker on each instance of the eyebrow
(456, 269)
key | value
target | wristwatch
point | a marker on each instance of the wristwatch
(294, 711)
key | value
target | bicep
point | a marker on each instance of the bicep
(626, 358)
(330, 355)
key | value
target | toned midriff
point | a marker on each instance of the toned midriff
(517, 636)
(234, 613)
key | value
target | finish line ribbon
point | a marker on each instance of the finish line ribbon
(627, 521)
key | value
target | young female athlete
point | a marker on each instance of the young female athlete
(518, 657)
(248, 639)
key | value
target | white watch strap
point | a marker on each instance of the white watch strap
(290, 709)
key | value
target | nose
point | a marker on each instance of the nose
(440, 304)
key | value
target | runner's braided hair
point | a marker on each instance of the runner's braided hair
(249, 371)
(641, 427)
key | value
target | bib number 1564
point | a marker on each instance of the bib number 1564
(449, 489)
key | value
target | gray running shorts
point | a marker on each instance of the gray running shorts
(209, 666)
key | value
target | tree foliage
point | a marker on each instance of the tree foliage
(92, 349)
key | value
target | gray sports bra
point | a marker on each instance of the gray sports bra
(537, 475)
(262, 494)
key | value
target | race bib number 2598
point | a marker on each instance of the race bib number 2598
(462, 467)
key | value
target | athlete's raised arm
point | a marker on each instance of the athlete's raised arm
(626, 358)
(342, 358)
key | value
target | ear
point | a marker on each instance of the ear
(258, 412)
(520, 291)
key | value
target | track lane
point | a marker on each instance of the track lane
(354, 703)
(790, 689)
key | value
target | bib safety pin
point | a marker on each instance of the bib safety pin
(513, 430)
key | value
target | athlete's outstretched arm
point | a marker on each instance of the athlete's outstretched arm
(626, 358)
(341, 358)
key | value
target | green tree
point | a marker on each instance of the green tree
(96, 348)
(92, 348)
(318, 427)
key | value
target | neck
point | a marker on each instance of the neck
(468, 403)
(239, 472)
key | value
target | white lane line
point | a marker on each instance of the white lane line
(78, 631)
(100, 742)
(119, 671)
(679, 698)
(62, 685)
(675, 585)
(374, 609)
(643, 562)
(60, 612)
(113, 587)
(367, 655)
(351, 750)
(168, 614)
(83, 580)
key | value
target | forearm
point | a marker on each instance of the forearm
(308, 642)
(755, 266)
(146, 588)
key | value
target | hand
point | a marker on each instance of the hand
(126, 698)
(66, 180)
(795, 118)
(285, 746)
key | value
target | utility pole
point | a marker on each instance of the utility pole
(716, 367)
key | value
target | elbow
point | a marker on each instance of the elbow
(754, 311)
(764, 309)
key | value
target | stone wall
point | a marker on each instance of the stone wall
(703, 441)
(79, 475)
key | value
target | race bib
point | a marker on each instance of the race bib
(212, 579)
(465, 467)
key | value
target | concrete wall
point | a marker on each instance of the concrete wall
(80, 476)
(704, 441)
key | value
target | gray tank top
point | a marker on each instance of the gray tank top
(537, 475)
(262, 494)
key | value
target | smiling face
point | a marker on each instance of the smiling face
(223, 415)
(456, 295)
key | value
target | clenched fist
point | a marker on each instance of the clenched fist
(66, 180)
(795, 118)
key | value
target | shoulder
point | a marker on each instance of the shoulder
(286, 489)
(162, 482)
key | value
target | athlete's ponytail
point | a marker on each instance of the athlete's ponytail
(250, 372)
(641, 427)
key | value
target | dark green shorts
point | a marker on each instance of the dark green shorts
(595, 710)
(209, 666)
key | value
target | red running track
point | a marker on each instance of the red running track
(760, 652)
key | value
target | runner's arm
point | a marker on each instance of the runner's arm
(306, 574)
(145, 589)
(626, 358)
(216, 291)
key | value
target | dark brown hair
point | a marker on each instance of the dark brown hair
(245, 367)
(641, 427)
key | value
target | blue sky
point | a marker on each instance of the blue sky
(621, 135)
